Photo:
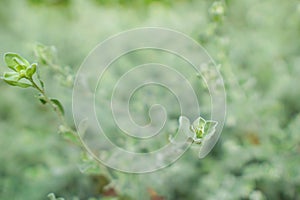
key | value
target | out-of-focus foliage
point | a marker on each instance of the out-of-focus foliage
(257, 46)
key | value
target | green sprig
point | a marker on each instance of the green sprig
(23, 76)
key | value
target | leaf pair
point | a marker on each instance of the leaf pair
(202, 129)
(21, 69)
(55, 102)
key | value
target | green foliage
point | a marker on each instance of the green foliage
(58, 105)
(217, 11)
(51, 196)
(22, 69)
(49, 2)
(255, 43)
(47, 56)
(202, 129)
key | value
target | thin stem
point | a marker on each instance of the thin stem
(62, 119)
(57, 111)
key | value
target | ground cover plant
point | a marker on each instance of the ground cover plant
(256, 47)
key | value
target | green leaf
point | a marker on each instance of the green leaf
(39, 78)
(210, 126)
(203, 129)
(58, 105)
(42, 99)
(31, 70)
(198, 127)
(18, 84)
(51, 196)
(16, 62)
(199, 122)
(42, 83)
(12, 78)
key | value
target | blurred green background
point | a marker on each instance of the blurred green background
(255, 42)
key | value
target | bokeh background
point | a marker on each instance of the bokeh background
(256, 43)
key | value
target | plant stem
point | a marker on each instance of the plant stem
(64, 123)
(57, 111)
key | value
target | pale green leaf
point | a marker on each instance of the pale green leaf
(16, 62)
